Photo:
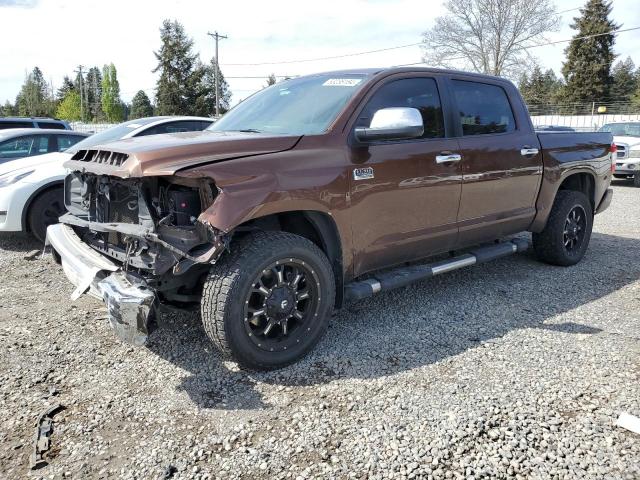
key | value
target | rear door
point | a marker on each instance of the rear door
(501, 161)
(403, 202)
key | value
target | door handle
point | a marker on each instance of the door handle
(450, 157)
(526, 151)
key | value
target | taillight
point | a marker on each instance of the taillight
(613, 149)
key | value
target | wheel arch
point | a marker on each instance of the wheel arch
(39, 191)
(580, 180)
(317, 226)
(583, 182)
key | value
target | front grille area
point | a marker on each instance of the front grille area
(104, 157)
(621, 150)
(120, 207)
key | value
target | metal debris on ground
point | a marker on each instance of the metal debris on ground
(32, 255)
(44, 428)
(629, 422)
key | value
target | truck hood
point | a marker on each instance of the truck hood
(631, 141)
(156, 155)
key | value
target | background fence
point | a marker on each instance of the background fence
(583, 123)
(90, 127)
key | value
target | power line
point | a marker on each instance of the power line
(584, 37)
(324, 58)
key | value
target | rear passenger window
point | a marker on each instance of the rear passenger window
(420, 93)
(66, 141)
(42, 145)
(54, 125)
(483, 108)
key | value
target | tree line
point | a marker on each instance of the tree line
(497, 37)
(185, 86)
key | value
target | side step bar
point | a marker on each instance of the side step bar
(403, 276)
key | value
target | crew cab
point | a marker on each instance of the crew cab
(321, 190)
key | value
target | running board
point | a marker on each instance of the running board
(403, 276)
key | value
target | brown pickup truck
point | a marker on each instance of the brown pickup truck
(317, 191)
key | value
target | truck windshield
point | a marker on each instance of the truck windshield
(301, 106)
(628, 129)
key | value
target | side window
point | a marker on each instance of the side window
(17, 124)
(42, 145)
(66, 141)
(174, 127)
(483, 108)
(54, 125)
(18, 147)
(420, 93)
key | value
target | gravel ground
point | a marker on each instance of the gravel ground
(510, 369)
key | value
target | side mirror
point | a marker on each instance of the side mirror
(393, 123)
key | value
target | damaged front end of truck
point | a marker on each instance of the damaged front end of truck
(134, 242)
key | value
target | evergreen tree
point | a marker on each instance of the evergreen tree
(176, 90)
(112, 105)
(141, 105)
(205, 89)
(540, 88)
(67, 86)
(34, 97)
(587, 68)
(94, 94)
(625, 80)
(8, 110)
(69, 108)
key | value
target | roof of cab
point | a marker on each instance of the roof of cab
(406, 69)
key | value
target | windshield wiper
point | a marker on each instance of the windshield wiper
(250, 130)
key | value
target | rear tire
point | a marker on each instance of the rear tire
(45, 210)
(636, 180)
(565, 238)
(257, 285)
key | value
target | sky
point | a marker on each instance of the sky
(59, 35)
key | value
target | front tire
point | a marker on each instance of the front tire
(636, 180)
(268, 302)
(45, 210)
(565, 238)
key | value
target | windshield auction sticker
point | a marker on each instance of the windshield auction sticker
(342, 82)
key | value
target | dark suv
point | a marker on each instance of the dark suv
(33, 122)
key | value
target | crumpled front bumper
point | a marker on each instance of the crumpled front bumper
(129, 300)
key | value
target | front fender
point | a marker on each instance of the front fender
(315, 179)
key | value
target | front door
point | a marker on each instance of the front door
(404, 202)
(501, 164)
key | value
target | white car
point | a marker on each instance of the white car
(626, 136)
(32, 189)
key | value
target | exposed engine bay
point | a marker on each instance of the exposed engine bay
(149, 226)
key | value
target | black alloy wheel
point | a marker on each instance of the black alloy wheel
(575, 227)
(282, 304)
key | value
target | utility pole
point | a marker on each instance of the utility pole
(79, 70)
(217, 37)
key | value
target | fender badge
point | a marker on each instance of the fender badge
(363, 173)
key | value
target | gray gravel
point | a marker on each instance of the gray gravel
(512, 369)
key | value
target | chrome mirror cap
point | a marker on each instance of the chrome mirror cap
(391, 124)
